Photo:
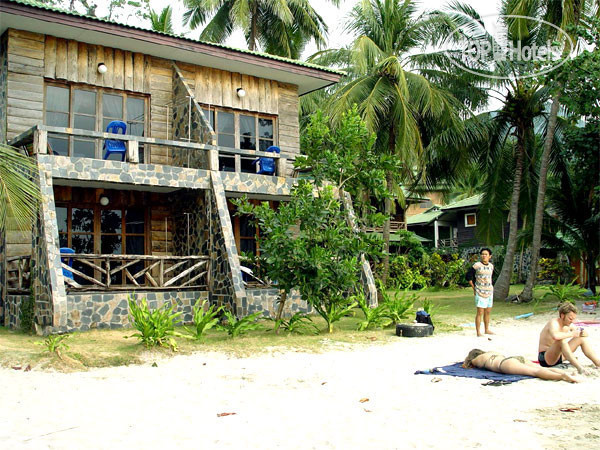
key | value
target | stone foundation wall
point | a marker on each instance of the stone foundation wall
(12, 316)
(111, 310)
(265, 301)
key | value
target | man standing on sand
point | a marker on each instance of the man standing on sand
(480, 279)
(561, 338)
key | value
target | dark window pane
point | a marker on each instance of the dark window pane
(57, 119)
(265, 128)
(135, 245)
(227, 164)
(110, 221)
(84, 148)
(135, 109)
(247, 125)
(61, 218)
(134, 221)
(210, 117)
(247, 228)
(82, 220)
(84, 122)
(264, 144)
(247, 143)
(63, 240)
(248, 246)
(57, 98)
(110, 245)
(84, 102)
(225, 124)
(226, 140)
(83, 243)
(112, 106)
(58, 146)
(136, 129)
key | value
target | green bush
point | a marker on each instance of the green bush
(26, 313)
(405, 274)
(552, 269)
(155, 328)
(374, 317)
(54, 343)
(565, 292)
(203, 320)
(298, 323)
(399, 306)
(236, 327)
(431, 308)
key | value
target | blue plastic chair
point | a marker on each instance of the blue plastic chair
(113, 146)
(267, 165)
(69, 261)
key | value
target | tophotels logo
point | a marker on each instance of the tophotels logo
(509, 47)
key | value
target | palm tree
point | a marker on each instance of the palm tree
(280, 27)
(162, 21)
(19, 194)
(566, 14)
(409, 114)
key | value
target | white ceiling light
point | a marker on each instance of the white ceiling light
(241, 92)
(102, 68)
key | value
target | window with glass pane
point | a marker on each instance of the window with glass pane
(84, 118)
(265, 133)
(136, 117)
(247, 132)
(225, 129)
(82, 239)
(209, 115)
(112, 108)
(57, 115)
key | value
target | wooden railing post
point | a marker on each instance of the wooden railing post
(213, 159)
(133, 155)
(40, 142)
(108, 276)
(281, 167)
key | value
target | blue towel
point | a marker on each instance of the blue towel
(456, 370)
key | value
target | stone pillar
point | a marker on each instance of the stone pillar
(226, 274)
(46, 272)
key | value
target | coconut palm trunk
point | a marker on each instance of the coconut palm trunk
(527, 294)
(502, 285)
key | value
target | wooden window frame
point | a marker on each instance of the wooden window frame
(99, 90)
(467, 224)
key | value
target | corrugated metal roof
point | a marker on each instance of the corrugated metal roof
(425, 218)
(47, 7)
(465, 203)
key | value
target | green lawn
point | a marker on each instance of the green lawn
(101, 348)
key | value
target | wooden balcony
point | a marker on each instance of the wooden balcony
(395, 226)
(136, 271)
(19, 274)
(448, 243)
(180, 153)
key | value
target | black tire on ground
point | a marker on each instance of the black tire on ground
(414, 329)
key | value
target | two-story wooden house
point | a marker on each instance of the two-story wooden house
(159, 223)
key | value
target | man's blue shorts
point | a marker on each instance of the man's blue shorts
(484, 302)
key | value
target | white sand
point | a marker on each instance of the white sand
(300, 400)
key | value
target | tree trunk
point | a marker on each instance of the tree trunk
(386, 233)
(527, 294)
(282, 299)
(503, 283)
(591, 272)
(253, 19)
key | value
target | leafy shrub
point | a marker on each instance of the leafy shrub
(54, 343)
(374, 317)
(400, 306)
(203, 320)
(409, 246)
(566, 292)
(298, 323)
(405, 274)
(236, 327)
(552, 269)
(155, 328)
(26, 313)
(431, 308)
(455, 272)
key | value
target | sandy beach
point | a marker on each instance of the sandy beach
(363, 396)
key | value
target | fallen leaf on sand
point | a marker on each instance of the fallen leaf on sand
(436, 380)
(16, 367)
(363, 400)
(28, 368)
(154, 364)
(519, 420)
(324, 382)
(367, 410)
(226, 414)
(371, 338)
(569, 409)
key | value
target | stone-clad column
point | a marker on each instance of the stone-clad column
(227, 274)
(47, 278)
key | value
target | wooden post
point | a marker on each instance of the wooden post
(40, 142)
(132, 152)
(281, 167)
(161, 274)
(108, 277)
(238, 163)
(213, 159)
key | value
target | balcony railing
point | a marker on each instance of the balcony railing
(179, 153)
(394, 227)
(450, 243)
(19, 273)
(100, 272)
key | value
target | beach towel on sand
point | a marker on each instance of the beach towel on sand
(456, 370)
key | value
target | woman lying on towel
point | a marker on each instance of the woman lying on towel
(512, 365)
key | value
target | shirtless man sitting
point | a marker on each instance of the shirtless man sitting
(560, 338)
